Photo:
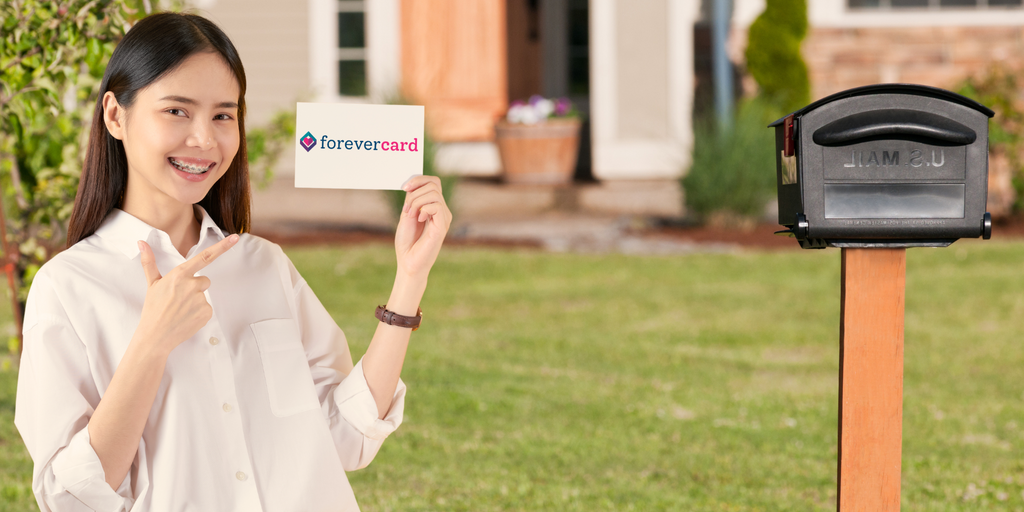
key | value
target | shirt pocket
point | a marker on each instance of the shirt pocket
(289, 381)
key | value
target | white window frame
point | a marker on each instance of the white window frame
(382, 52)
(933, 5)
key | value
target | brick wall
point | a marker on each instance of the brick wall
(841, 58)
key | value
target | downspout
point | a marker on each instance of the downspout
(722, 68)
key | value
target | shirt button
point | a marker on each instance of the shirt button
(214, 341)
(241, 476)
(227, 407)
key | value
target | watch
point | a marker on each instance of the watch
(392, 318)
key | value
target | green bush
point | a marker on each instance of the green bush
(998, 89)
(52, 57)
(773, 54)
(265, 144)
(733, 170)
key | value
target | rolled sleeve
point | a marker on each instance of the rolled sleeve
(77, 470)
(354, 422)
(356, 404)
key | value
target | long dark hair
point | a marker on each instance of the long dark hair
(153, 47)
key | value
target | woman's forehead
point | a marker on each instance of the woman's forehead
(203, 78)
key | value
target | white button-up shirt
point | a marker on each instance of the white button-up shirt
(261, 410)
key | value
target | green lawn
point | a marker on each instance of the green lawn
(700, 382)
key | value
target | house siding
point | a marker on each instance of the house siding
(272, 38)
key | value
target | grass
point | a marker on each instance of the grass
(701, 382)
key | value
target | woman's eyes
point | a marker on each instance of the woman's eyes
(180, 112)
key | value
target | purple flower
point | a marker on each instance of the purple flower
(562, 106)
(537, 109)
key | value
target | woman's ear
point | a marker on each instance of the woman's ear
(113, 116)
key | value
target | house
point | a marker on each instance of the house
(627, 64)
(632, 66)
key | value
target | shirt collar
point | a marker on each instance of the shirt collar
(123, 230)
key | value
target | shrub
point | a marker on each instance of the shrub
(773, 54)
(733, 170)
(52, 57)
(265, 144)
(998, 89)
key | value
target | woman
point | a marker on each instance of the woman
(171, 360)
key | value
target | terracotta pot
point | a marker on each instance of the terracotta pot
(539, 154)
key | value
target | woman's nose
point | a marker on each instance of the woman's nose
(202, 136)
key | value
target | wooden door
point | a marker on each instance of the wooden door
(454, 62)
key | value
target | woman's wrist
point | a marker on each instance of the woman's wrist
(406, 294)
(146, 346)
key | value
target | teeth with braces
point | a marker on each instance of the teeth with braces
(190, 168)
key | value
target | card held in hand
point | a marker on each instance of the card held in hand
(357, 146)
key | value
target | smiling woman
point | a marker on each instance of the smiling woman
(199, 46)
(173, 361)
(190, 126)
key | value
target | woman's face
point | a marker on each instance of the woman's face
(181, 134)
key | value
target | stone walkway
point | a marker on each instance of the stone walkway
(589, 217)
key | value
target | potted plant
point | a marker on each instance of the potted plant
(538, 141)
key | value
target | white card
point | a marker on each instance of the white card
(351, 145)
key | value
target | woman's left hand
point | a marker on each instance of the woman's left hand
(422, 226)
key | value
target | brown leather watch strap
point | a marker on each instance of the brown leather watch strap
(392, 318)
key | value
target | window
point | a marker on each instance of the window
(933, 4)
(579, 48)
(351, 48)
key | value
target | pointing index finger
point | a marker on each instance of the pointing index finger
(204, 258)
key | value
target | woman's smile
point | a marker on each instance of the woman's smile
(191, 169)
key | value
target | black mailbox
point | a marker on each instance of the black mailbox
(888, 165)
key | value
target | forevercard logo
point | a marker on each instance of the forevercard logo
(308, 141)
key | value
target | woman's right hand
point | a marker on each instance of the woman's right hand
(175, 306)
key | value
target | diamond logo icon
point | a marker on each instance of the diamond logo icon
(308, 141)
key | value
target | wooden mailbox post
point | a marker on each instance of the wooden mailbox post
(871, 379)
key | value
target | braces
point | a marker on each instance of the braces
(189, 168)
